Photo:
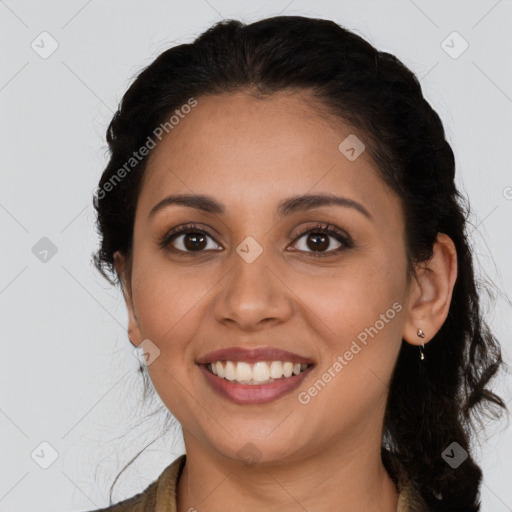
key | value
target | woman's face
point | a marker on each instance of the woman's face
(252, 282)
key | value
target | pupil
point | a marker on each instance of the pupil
(323, 244)
(191, 241)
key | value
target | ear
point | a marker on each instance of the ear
(133, 324)
(431, 292)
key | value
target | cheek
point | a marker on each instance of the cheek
(168, 301)
(357, 311)
(349, 296)
(169, 310)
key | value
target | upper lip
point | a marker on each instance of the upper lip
(252, 355)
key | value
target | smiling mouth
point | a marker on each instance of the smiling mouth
(261, 372)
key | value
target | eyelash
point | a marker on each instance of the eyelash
(326, 229)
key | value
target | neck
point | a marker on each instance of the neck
(351, 478)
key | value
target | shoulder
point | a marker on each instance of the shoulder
(410, 499)
(146, 500)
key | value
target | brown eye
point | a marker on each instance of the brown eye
(318, 240)
(191, 241)
(194, 241)
(188, 239)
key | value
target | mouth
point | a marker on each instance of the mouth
(253, 355)
(243, 383)
(255, 374)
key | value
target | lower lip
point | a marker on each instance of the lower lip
(253, 394)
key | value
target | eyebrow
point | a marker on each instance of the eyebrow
(286, 207)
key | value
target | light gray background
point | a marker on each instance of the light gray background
(68, 373)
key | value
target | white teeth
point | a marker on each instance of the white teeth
(229, 371)
(243, 371)
(288, 369)
(261, 372)
(276, 369)
(220, 369)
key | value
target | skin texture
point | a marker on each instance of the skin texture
(250, 154)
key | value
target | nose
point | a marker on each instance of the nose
(253, 295)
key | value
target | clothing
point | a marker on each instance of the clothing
(160, 496)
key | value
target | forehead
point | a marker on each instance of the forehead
(239, 148)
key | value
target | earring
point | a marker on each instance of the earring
(421, 335)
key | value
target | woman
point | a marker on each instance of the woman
(280, 210)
